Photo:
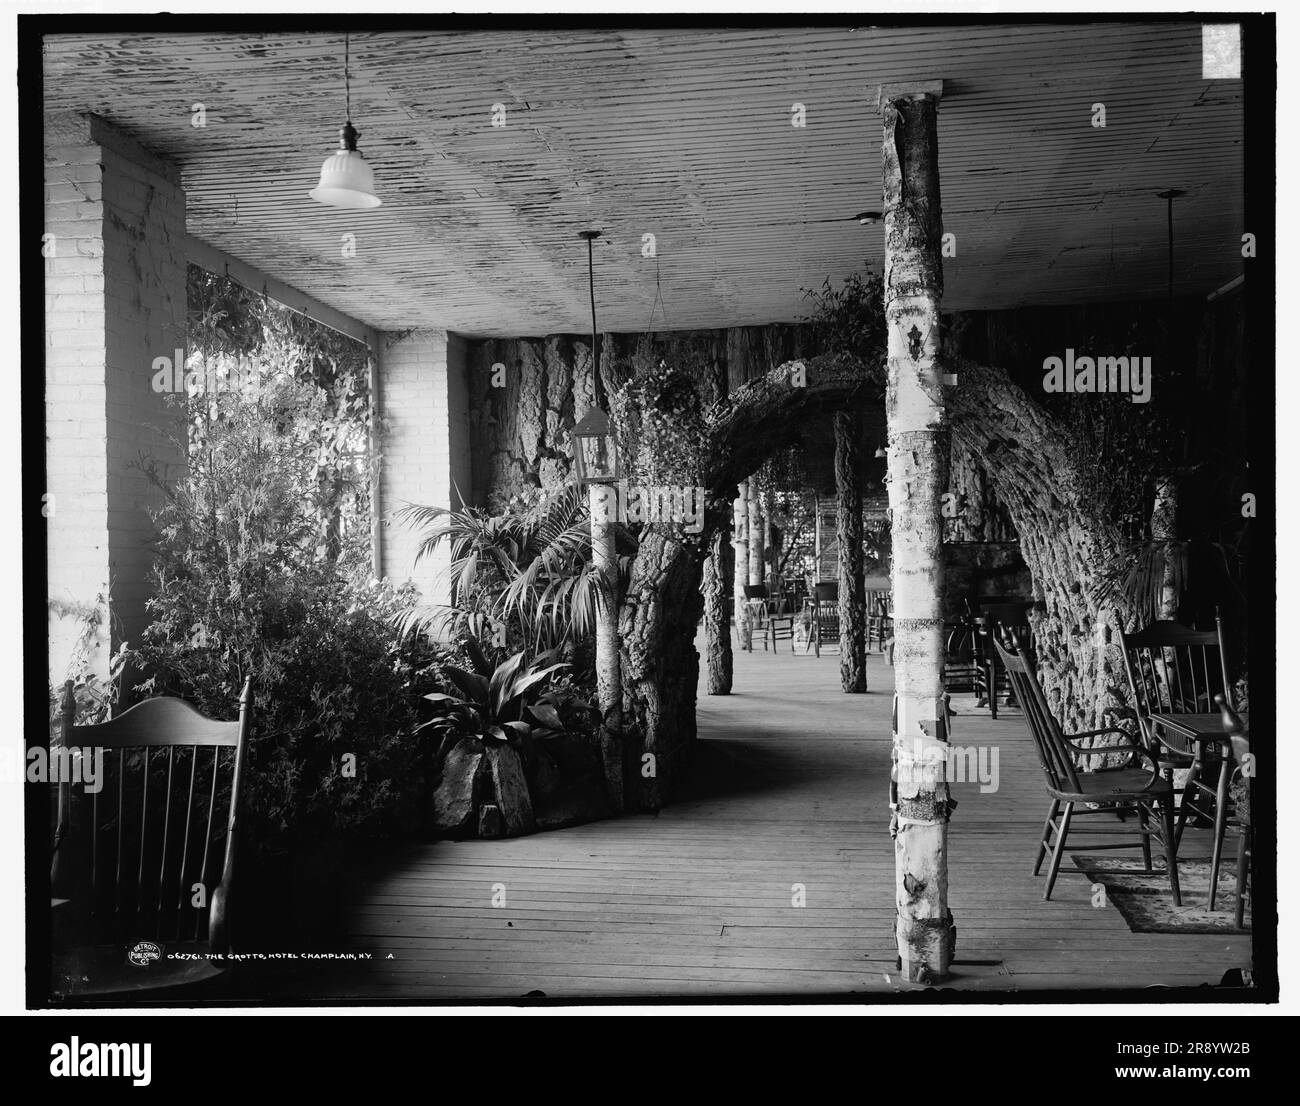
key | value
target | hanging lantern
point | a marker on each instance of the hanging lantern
(595, 453)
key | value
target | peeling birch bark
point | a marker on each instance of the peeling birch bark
(1164, 527)
(603, 508)
(918, 458)
(757, 538)
(740, 514)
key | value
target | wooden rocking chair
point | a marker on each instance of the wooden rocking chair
(1104, 791)
(139, 905)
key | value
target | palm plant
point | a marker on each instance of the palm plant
(530, 567)
(1140, 575)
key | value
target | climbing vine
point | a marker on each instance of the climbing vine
(244, 348)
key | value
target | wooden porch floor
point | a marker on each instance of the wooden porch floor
(697, 901)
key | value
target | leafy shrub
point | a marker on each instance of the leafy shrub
(850, 320)
(242, 586)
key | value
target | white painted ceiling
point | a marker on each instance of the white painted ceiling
(687, 135)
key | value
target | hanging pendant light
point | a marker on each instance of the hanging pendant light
(345, 178)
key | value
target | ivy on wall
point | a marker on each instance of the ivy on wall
(246, 348)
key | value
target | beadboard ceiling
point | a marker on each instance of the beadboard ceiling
(687, 135)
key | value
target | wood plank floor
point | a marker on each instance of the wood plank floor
(699, 900)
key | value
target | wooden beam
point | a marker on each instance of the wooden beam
(215, 260)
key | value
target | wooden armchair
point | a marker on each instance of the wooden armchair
(139, 903)
(1178, 674)
(1104, 791)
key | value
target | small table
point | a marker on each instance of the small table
(1200, 731)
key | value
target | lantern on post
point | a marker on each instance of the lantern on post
(595, 453)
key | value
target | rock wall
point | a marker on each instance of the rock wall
(527, 393)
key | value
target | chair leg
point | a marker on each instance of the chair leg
(1220, 825)
(1171, 848)
(1187, 804)
(1146, 836)
(1059, 851)
(993, 689)
(1243, 847)
(1045, 843)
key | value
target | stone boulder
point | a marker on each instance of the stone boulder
(455, 802)
(512, 797)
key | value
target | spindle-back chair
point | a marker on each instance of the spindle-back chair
(880, 626)
(1176, 670)
(1101, 791)
(825, 624)
(994, 617)
(147, 858)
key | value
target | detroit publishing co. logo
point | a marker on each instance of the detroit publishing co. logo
(144, 953)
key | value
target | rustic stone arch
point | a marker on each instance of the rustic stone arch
(1026, 455)
(662, 606)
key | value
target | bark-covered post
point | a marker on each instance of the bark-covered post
(719, 574)
(719, 570)
(848, 520)
(740, 573)
(918, 461)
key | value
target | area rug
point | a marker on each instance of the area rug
(1144, 902)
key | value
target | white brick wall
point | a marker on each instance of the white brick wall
(425, 401)
(114, 300)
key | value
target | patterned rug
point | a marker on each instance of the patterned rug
(1144, 901)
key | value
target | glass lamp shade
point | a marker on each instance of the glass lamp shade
(595, 454)
(346, 181)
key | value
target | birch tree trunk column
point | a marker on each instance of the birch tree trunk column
(918, 460)
(757, 538)
(609, 694)
(853, 588)
(1164, 528)
(740, 572)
